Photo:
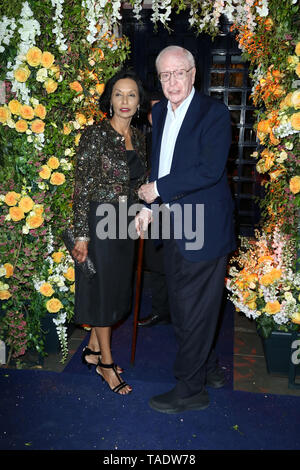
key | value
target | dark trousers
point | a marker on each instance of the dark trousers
(195, 296)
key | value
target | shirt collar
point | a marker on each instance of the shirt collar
(183, 106)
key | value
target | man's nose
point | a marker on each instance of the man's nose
(172, 79)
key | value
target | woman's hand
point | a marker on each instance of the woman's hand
(80, 251)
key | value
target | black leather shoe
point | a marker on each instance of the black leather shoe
(154, 319)
(215, 379)
(170, 402)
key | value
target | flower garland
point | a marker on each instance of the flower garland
(60, 40)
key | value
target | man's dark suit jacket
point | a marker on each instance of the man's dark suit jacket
(198, 173)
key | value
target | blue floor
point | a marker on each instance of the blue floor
(74, 410)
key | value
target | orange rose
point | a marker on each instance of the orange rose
(4, 114)
(75, 86)
(26, 112)
(40, 111)
(57, 178)
(26, 204)
(34, 221)
(22, 74)
(272, 307)
(38, 126)
(34, 56)
(100, 88)
(38, 209)
(16, 213)
(295, 121)
(57, 256)
(70, 274)
(9, 269)
(4, 294)
(264, 126)
(11, 198)
(47, 59)
(53, 163)
(15, 107)
(268, 24)
(46, 289)
(21, 125)
(295, 184)
(263, 259)
(54, 305)
(45, 172)
(50, 85)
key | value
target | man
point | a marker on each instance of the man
(153, 256)
(191, 140)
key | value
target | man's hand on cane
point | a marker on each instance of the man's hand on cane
(142, 220)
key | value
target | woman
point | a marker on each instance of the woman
(111, 164)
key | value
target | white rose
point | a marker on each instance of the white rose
(25, 229)
(42, 75)
(2, 272)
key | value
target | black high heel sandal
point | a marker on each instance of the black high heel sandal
(87, 352)
(112, 366)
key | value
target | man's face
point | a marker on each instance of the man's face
(176, 90)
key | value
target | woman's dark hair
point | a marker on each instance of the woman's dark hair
(105, 99)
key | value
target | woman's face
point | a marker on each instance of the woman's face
(125, 98)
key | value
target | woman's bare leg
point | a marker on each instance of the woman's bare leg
(104, 340)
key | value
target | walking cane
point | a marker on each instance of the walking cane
(137, 295)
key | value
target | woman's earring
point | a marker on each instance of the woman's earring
(138, 111)
(110, 110)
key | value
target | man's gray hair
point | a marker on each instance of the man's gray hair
(177, 49)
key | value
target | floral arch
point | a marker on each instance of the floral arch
(55, 59)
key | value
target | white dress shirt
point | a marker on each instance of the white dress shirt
(172, 127)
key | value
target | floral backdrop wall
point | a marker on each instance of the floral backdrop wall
(55, 58)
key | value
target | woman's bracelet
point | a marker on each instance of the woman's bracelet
(82, 239)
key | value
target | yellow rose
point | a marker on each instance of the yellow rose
(27, 112)
(295, 121)
(22, 74)
(50, 86)
(16, 213)
(46, 289)
(11, 198)
(296, 318)
(72, 288)
(15, 107)
(67, 129)
(270, 277)
(57, 256)
(4, 294)
(70, 274)
(295, 99)
(272, 307)
(57, 178)
(77, 139)
(38, 126)
(9, 269)
(295, 184)
(40, 111)
(75, 86)
(47, 59)
(55, 70)
(34, 56)
(5, 114)
(21, 125)
(298, 70)
(53, 163)
(54, 305)
(45, 172)
(297, 48)
(81, 119)
(26, 204)
(34, 221)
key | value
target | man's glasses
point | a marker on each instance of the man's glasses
(178, 74)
